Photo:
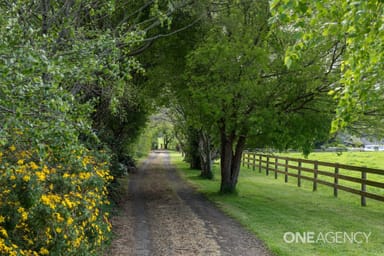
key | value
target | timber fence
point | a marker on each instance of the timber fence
(349, 178)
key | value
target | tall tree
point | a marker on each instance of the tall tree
(68, 78)
(238, 82)
(165, 76)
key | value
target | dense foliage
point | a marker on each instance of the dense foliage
(53, 189)
(359, 25)
(69, 109)
(52, 204)
(241, 91)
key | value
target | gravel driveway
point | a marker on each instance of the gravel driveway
(162, 215)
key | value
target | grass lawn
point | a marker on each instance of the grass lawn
(270, 208)
(366, 159)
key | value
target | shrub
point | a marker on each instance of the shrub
(52, 205)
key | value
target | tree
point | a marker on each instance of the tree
(164, 130)
(49, 179)
(167, 70)
(238, 82)
(358, 25)
(68, 101)
(187, 137)
(197, 142)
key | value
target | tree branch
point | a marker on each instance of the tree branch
(4, 109)
(173, 32)
(147, 4)
(149, 41)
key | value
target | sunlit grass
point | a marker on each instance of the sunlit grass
(366, 159)
(363, 159)
(270, 207)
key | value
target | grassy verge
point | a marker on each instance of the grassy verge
(366, 159)
(270, 208)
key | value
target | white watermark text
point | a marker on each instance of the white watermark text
(335, 237)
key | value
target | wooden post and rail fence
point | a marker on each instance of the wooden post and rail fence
(315, 171)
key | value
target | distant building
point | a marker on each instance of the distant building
(374, 145)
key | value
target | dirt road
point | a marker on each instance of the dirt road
(162, 215)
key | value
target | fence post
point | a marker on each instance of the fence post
(244, 158)
(248, 160)
(363, 188)
(260, 159)
(299, 174)
(267, 169)
(286, 171)
(276, 166)
(254, 161)
(315, 176)
(336, 181)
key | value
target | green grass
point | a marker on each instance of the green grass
(269, 208)
(367, 159)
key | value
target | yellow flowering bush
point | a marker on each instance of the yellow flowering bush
(53, 195)
(52, 205)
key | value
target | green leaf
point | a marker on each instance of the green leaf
(288, 61)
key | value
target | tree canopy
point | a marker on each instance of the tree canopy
(70, 105)
(359, 25)
(238, 83)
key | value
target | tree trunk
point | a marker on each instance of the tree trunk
(231, 152)
(194, 161)
(192, 155)
(44, 9)
(205, 155)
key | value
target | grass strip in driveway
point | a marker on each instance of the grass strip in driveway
(272, 209)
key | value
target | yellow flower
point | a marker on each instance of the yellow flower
(13, 177)
(23, 213)
(2, 219)
(33, 165)
(58, 217)
(50, 200)
(70, 221)
(41, 176)
(24, 216)
(45, 169)
(48, 234)
(3, 232)
(43, 251)
(12, 148)
(84, 175)
(23, 154)
(20, 161)
(77, 242)
(67, 202)
(58, 230)
(26, 178)
(29, 241)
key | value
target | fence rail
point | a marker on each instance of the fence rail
(315, 173)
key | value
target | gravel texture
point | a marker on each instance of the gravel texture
(162, 215)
